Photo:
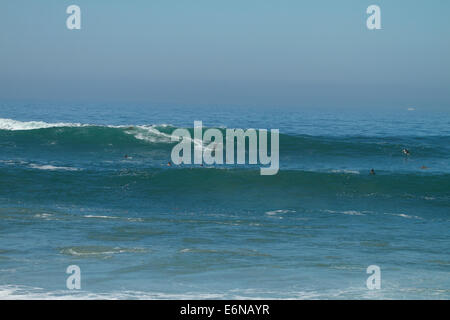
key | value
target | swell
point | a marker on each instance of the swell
(176, 182)
(69, 137)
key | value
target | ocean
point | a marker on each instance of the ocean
(140, 229)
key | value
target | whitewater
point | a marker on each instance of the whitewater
(140, 229)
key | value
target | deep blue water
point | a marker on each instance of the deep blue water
(140, 229)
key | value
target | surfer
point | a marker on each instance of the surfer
(169, 164)
(372, 172)
(423, 167)
(406, 152)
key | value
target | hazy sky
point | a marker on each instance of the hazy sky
(236, 52)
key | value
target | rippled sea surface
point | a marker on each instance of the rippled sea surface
(138, 228)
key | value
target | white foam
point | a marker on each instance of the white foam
(148, 133)
(16, 292)
(275, 212)
(152, 134)
(99, 251)
(346, 171)
(100, 217)
(347, 212)
(14, 125)
(353, 213)
(112, 217)
(52, 168)
(45, 216)
(404, 216)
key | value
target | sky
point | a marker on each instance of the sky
(289, 53)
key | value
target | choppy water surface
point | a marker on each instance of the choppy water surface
(140, 229)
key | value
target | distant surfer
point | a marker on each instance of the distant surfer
(406, 152)
(169, 164)
(372, 172)
(423, 167)
(125, 156)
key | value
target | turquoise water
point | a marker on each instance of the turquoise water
(140, 229)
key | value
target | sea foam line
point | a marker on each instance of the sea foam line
(14, 125)
(148, 133)
(53, 168)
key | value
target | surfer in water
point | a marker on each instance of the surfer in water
(372, 172)
(406, 152)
